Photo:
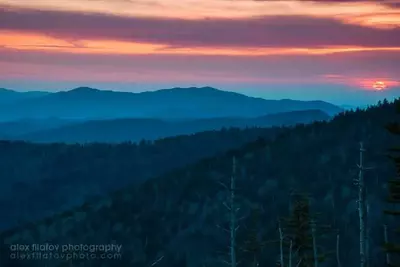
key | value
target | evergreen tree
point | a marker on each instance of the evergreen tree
(253, 246)
(394, 192)
(303, 232)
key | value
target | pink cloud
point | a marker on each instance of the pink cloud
(170, 68)
(271, 31)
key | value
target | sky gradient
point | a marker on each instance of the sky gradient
(332, 50)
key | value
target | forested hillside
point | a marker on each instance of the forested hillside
(38, 180)
(85, 103)
(178, 218)
(122, 130)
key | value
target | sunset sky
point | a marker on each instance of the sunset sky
(332, 50)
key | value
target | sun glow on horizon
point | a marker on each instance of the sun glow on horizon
(379, 85)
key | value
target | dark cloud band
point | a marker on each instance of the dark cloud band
(272, 31)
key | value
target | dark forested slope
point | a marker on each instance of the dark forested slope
(175, 218)
(37, 180)
(122, 130)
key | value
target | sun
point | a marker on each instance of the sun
(379, 85)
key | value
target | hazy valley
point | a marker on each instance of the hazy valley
(175, 215)
(153, 184)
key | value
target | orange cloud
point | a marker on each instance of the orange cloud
(383, 21)
(366, 12)
(32, 42)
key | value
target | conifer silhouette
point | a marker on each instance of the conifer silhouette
(253, 245)
(303, 232)
(394, 194)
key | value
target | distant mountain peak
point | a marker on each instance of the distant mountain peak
(194, 91)
(206, 88)
(194, 88)
(83, 90)
(6, 90)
